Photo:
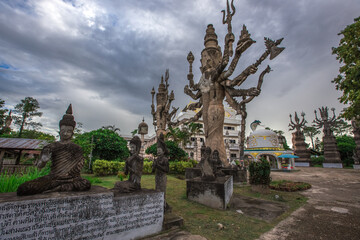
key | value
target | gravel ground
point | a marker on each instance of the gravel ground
(333, 208)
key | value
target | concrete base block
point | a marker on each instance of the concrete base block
(96, 214)
(302, 164)
(191, 173)
(356, 166)
(239, 175)
(332, 165)
(215, 194)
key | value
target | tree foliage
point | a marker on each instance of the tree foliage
(348, 81)
(341, 128)
(2, 113)
(311, 132)
(31, 134)
(175, 153)
(104, 143)
(26, 110)
(346, 146)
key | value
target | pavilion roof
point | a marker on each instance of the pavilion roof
(21, 143)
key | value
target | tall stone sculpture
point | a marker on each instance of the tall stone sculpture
(331, 153)
(133, 166)
(161, 115)
(143, 129)
(356, 130)
(161, 168)
(298, 140)
(215, 84)
(66, 163)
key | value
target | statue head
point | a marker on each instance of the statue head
(215, 154)
(211, 55)
(135, 145)
(67, 125)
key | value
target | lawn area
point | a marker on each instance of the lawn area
(203, 220)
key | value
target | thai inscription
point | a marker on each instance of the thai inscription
(99, 216)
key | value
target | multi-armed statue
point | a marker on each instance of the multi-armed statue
(298, 140)
(356, 130)
(331, 153)
(215, 83)
(161, 115)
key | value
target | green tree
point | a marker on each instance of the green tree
(27, 109)
(346, 146)
(2, 113)
(348, 81)
(31, 134)
(311, 132)
(106, 145)
(175, 152)
(341, 128)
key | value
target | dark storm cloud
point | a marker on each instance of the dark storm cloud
(105, 56)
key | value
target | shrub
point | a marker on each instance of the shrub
(175, 152)
(104, 167)
(289, 186)
(317, 160)
(260, 172)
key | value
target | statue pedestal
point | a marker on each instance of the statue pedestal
(95, 214)
(239, 175)
(215, 194)
(302, 164)
(191, 173)
(332, 165)
(356, 166)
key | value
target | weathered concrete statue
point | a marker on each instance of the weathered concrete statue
(161, 115)
(356, 130)
(210, 165)
(298, 140)
(67, 161)
(331, 152)
(133, 166)
(215, 84)
(161, 167)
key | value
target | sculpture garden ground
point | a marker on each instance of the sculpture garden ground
(203, 220)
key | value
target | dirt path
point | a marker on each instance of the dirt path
(333, 208)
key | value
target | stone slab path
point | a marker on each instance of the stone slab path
(333, 208)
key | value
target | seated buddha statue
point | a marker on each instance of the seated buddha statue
(66, 163)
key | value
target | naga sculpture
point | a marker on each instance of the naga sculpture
(331, 153)
(215, 84)
(161, 116)
(298, 140)
(133, 166)
(66, 163)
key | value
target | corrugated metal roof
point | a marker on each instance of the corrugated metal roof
(21, 143)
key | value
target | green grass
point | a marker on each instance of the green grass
(203, 220)
(290, 186)
(10, 183)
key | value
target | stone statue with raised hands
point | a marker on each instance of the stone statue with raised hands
(133, 166)
(67, 161)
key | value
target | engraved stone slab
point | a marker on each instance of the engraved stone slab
(332, 165)
(215, 194)
(302, 164)
(92, 215)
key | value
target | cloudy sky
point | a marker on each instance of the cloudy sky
(105, 56)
